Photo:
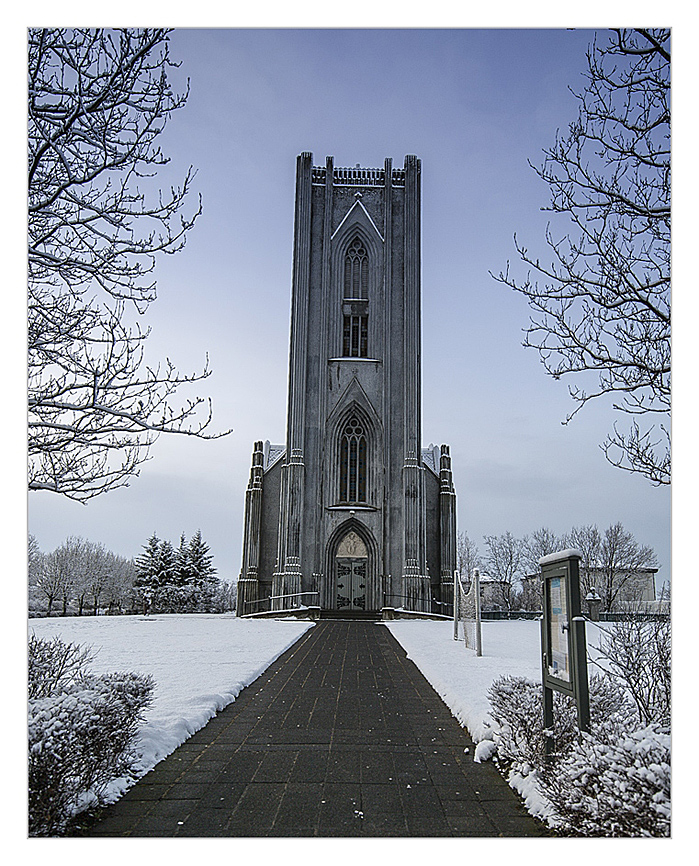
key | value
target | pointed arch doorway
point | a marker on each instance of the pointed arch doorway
(351, 566)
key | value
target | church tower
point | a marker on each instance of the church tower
(352, 514)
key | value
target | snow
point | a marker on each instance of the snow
(200, 663)
(462, 679)
(561, 554)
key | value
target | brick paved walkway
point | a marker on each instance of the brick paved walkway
(341, 736)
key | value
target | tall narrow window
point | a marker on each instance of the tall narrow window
(353, 462)
(356, 271)
(355, 324)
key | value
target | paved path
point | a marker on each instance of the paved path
(341, 736)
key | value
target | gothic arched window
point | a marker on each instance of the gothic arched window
(356, 270)
(353, 461)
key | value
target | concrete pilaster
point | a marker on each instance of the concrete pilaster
(415, 581)
(248, 581)
(287, 580)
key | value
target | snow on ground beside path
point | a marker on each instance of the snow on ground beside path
(462, 679)
(200, 663)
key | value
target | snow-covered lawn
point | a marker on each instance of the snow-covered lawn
(460, 677)
(200, 663)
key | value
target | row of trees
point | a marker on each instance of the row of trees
(181, 580)
(610, 559)
(79, 577)
(82, 577)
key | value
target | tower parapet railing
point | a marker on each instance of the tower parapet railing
(358, 176)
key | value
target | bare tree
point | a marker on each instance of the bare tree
(97, 567)
(611, 561)
(540, 543)
(467, 558)
(82, 553)
(46, 580)
(588, 541)
(601, 307)
(34, 562)
(621, 558)
(504, 560)
(118, 589)
(55, 576)
(98, 100)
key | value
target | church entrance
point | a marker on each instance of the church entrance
(351, 573)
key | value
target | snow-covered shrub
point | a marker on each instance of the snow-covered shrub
(638, 652)
(517, 711)
(517, 708)
(613, 783)
(54, 665)
(81, 731)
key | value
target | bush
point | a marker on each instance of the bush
(613, 784)
(81, 732)
(614, 781)
(517, 708)
(639, 653)
(54, 665)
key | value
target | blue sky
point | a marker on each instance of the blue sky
(475, 106)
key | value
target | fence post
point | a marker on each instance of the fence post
(457, 599)
(477, 582)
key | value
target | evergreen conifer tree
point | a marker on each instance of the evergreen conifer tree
(202, 571)
(168, 564)
(184, 569)
(176, 581)
(148, 571)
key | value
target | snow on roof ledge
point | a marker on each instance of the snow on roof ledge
(561, 554)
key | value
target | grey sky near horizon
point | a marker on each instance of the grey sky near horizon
(475, 106)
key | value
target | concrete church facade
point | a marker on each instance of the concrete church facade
(352, 514)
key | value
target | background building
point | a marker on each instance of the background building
(619, 589)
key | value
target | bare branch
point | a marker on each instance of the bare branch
(98, 100)
(601, 306)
